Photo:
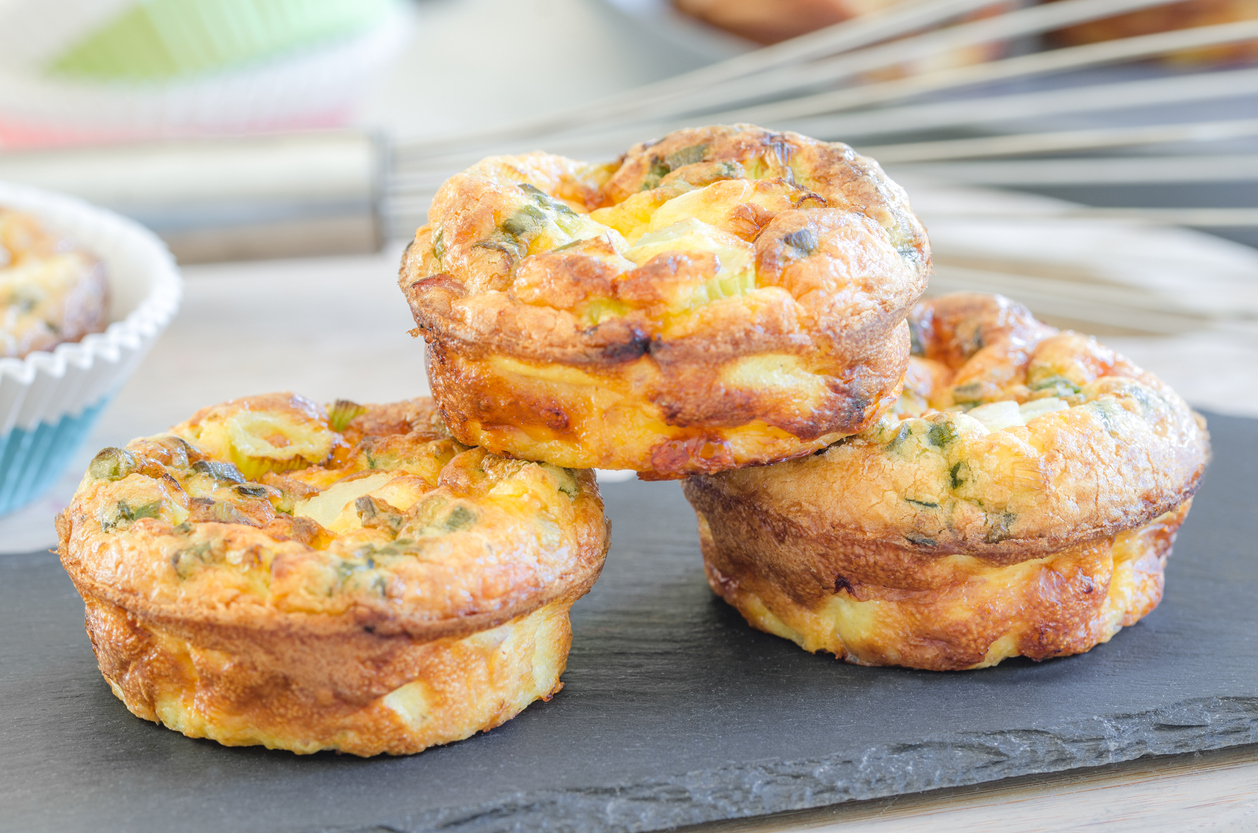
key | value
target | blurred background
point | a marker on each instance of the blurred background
(1095, 159)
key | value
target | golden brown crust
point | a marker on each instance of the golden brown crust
(314, 549)
(360, 692)
(50, 291)
(1012, 444)
(723, 296)
(1117, 448)
(940, 614)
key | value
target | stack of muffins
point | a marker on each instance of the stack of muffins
(729, 305)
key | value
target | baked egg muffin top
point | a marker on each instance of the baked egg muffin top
(1011, 440)
(270, 508)
(711, 237)
(50, 291)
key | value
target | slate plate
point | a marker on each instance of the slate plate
(674, 711)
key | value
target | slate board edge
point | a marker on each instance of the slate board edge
(937, 762)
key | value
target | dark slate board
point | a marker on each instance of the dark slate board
(674, 711)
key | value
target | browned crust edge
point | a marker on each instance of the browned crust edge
(296, 625)
(1127, 453)
(317, 691)
(469, 316)
(931, 614)
(897, 554)
(698, 417)
(84, 549)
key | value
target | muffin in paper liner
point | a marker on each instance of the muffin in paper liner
(49, 401)
(76, 73)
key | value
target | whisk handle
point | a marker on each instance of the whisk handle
(237, 198)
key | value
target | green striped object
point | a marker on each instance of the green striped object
(162, 39)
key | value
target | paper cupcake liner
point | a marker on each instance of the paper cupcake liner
(32, 461)
(312, 87)
(34, 31)
(49, 401)
(162, 39)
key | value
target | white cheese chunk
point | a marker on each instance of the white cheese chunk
(1039, 407)
(997, 415)
(327, 505)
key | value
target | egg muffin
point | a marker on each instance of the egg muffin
(721, 297)
(1020, 500)
(353, 579)
(50, 290)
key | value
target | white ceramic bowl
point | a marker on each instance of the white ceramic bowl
(49, 401)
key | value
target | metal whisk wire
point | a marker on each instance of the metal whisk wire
(1030, 118)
